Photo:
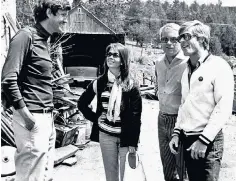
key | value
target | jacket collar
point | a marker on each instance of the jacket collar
(41, 31)
(178, 59)
(200, 61)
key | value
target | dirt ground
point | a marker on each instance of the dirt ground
(90, 167)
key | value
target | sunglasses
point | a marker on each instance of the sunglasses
(186, 37)
(172, 40)
(115, 55)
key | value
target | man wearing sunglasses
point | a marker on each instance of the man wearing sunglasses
(169, 69)
(207, 98)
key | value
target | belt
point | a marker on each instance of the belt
(166, 114)
(46, 110)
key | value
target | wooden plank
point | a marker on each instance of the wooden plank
(63, 153)
(10, 20)
(146, 88)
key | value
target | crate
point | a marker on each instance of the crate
(65, 135)
(84, 131)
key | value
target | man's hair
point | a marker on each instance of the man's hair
(41, 7)
(169, 26)
(198, 29)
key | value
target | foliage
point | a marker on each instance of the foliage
(215, 46)
(24, 12)
(141, 20)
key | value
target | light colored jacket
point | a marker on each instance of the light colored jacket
(207, 99)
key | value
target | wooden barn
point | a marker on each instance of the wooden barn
(82, 21)
(86, 40)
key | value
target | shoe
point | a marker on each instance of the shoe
(133, 160)
(176, 179)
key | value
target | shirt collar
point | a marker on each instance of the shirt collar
(200, 61)
(42, 32)
(179, 57)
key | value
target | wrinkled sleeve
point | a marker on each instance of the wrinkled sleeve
(17, 53)
(177, 129)
(224, 95)
(84, 101)
(156, 82)
(136, 110)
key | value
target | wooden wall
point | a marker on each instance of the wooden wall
(82, 21)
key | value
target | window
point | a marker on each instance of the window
(80, 20)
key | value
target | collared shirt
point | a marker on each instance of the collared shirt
(169, 82)
(26, 75)
(207, 99)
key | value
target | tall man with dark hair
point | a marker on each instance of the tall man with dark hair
(207, 98)
(26, 81)
(169, 70)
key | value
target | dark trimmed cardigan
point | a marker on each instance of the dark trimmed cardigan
(130, 112)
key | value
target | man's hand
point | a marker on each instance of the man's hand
(132, 149)
(28, 118)
(198, 150)
(174, 144)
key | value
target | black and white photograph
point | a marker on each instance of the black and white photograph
(118, 90)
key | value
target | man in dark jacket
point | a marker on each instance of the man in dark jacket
(26, 81)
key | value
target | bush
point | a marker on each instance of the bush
(142, 60)
(215, 46)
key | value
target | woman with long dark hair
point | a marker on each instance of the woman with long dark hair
(117, 120)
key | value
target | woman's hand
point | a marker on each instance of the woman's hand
(132, 149)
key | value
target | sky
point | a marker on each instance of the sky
(224, 2)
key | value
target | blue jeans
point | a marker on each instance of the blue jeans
(113, 156)
(208, 168)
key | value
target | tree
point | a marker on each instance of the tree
(154, 15)
(195, 11)
(174, 12)
(140, 33)
(215, 46)
(24, 12)
(228, 40)
(134, 13)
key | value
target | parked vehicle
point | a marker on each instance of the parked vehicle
(85, 58)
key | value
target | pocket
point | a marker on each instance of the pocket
(18, 119)
(21, 121)
(216, 152)
(219, 145)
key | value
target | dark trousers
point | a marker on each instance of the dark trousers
(208, 168)
(172, 164)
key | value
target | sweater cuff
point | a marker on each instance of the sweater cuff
(19, 104)
(176, 132)
(204, 139)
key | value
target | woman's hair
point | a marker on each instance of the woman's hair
(199, 29)
(41, 7)
(125, 57)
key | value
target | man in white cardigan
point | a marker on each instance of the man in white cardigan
(206, 105)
